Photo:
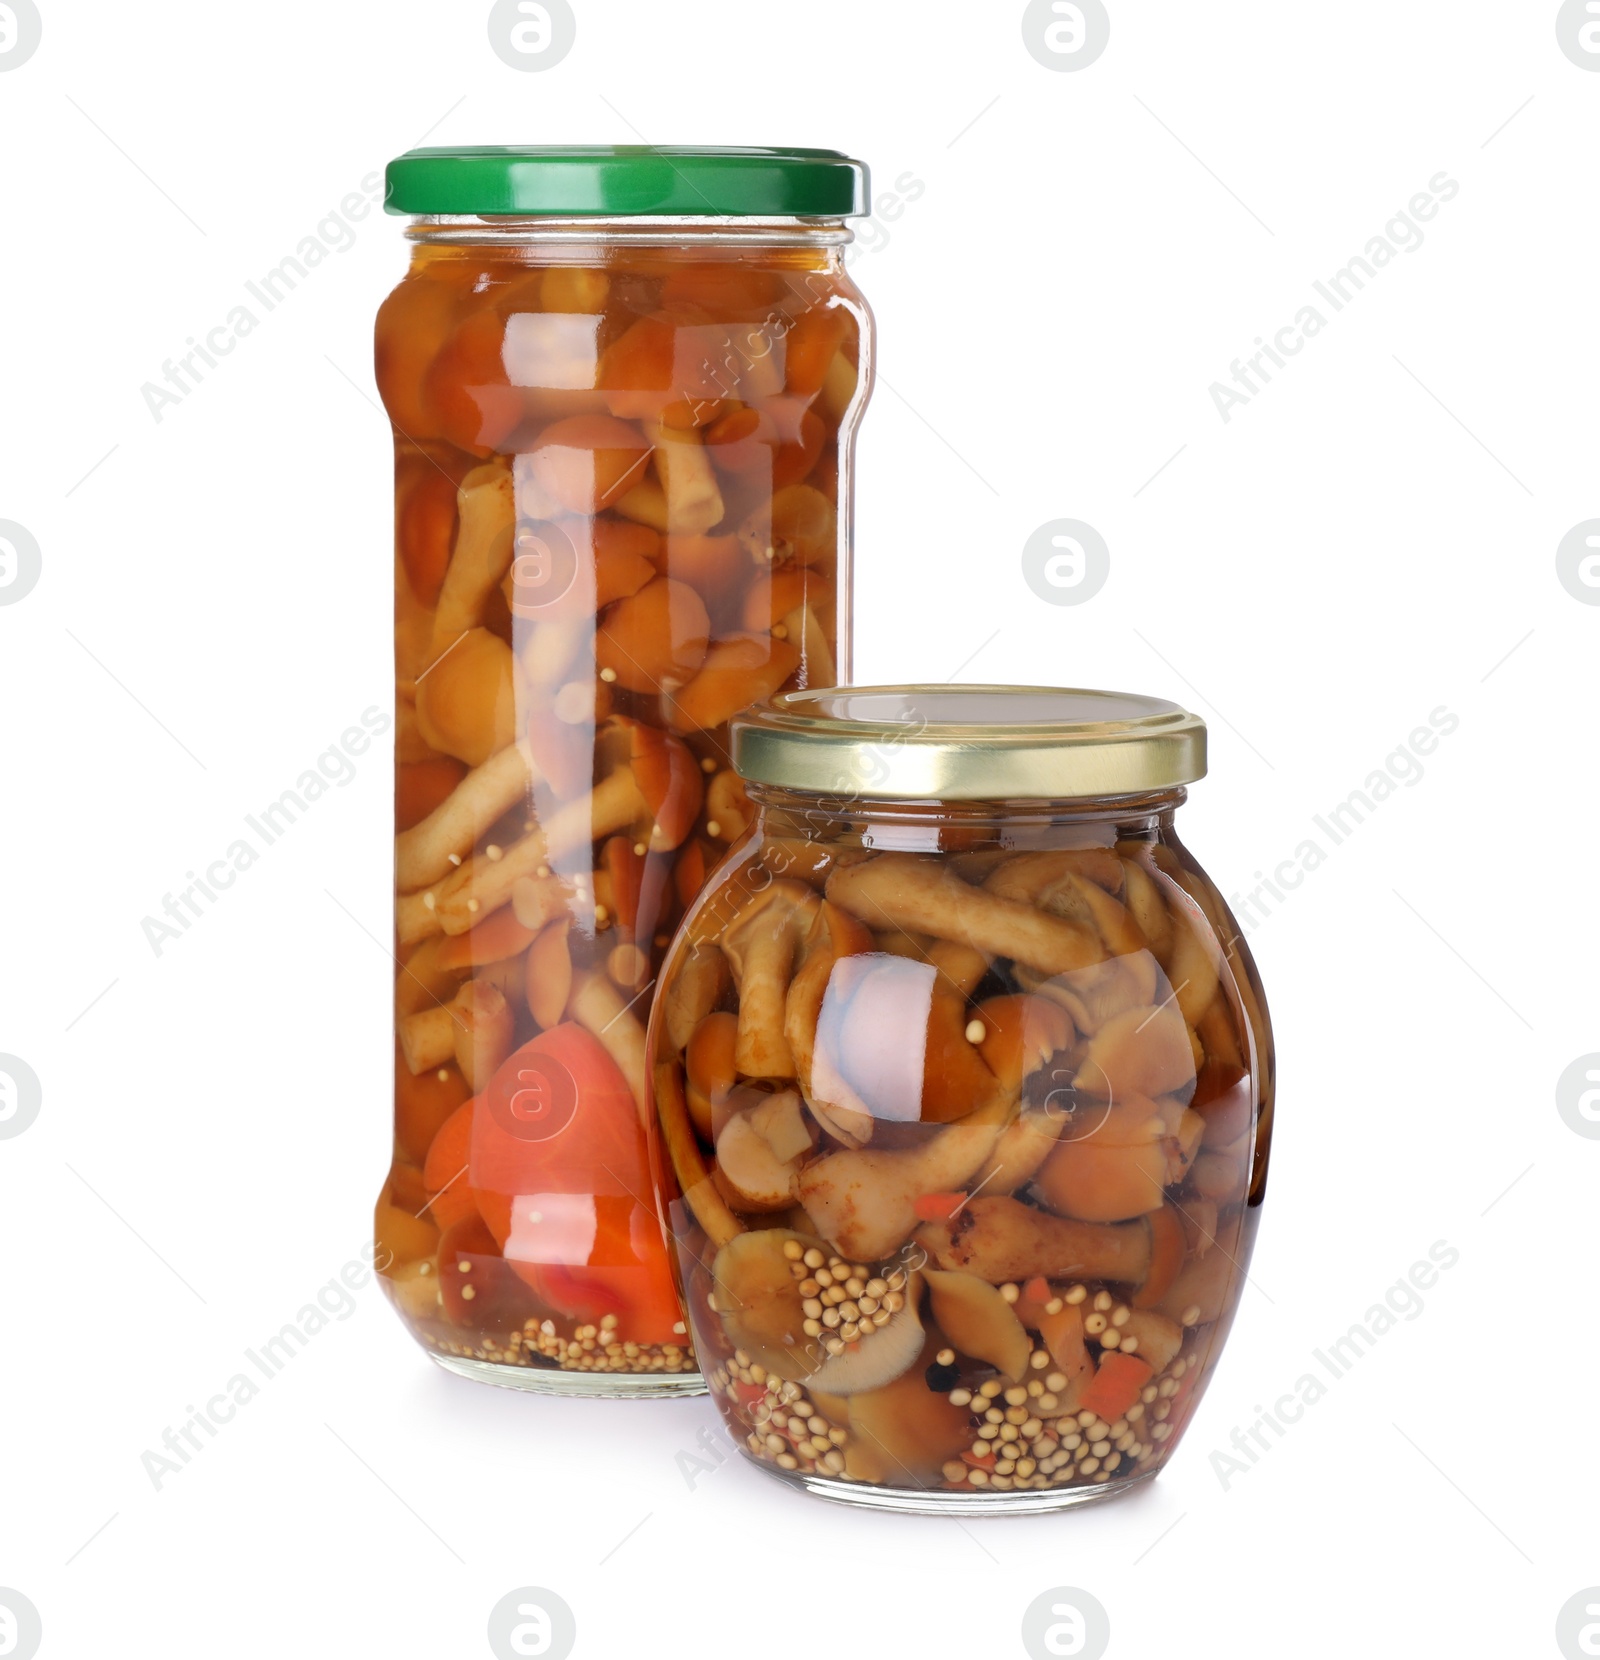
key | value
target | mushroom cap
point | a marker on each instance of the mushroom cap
(466, 706)
(585, 462)
(796, 527)
(627, 878)
(743, 441)
(727, 805)
(670, 780)
(774, 595)
(656, 637)
(549, 973)
(873, 1362)
(739, 669)
(771, 909)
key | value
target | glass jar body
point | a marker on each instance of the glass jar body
(622, 509)
(964, 1113)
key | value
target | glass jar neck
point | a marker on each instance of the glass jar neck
(631, 231)
(944, 826)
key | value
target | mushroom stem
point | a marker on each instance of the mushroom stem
(468, 895)
(700, 1193)
(487, 518)
(694, 499)
(424, 853)
(962, 965)
(428, 1038)
(691, 994)
(761, 944)
(484, 1031)
(1002, 1240)
(616, 801)
(905, 890)
(537, 900)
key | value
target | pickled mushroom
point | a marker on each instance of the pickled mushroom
(795, 527)
(1021, 1035)
(655, 640)
(483, 1032)
(1149, 910)
(761, 944)
(688, 481)
(903, 1431)
(700, 1192)
(425, 852)
(1139, 1052)
(710, 1076)
(874, 1360)
(1023, 1146)
(834, 935)
(1110, 1165)
(547, 973)
(486, 519)
(1094, 995)
(1001, 1239)
(466, 703)
(908, 890)
(728, 810)
(428, 1038)
(692, 992)
(538, 900)
(978, 1320)
(760, 1301)
(863, 1201)
(738, 670)
(817, 667)
(503, 936)
(651, 786)
(586, 462)
(596, 1004)
(750, 1172)
(1194, 963)
(475, 889)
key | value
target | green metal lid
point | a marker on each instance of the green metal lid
(616, 179)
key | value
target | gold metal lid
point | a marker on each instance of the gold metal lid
(969, 743)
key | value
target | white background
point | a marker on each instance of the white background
(1365, 542)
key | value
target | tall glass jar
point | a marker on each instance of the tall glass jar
(624, 386)
(964, 1081)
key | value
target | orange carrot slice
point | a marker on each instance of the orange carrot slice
(938, 1207)
(1115, 1387)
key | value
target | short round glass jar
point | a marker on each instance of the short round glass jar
(963, 1079)
(624, 384)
